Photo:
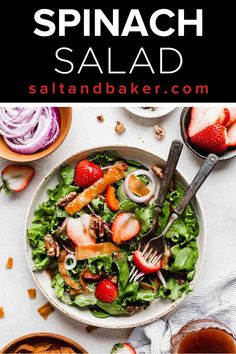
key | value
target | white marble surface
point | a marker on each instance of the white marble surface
(218, 196)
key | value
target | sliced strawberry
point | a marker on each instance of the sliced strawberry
(78, 230)
(16, 177)
(203, 117)
(144, 266)
(111, 200)
(106, 291)
(231, 133)
(124, 227)
(123, 348)
(232, 119)
(89, 276)
(87, 173)
(212, 139)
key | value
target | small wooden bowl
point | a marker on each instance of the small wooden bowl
(36, 338)
(8, 154)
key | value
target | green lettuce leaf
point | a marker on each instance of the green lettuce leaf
(173, 290)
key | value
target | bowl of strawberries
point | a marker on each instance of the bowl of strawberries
(210, 130)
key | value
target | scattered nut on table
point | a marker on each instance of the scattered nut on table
(119, 128)
(159, 132)
(100, 118)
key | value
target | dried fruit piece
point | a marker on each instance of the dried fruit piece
(9, 264)
(45, 310)
(119, 128)
(137, 186)
(2, 313)
(32, 293)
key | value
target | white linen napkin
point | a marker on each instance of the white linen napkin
(217, 300)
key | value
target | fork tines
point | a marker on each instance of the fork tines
(150, 256)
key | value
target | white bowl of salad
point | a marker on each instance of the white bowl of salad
(84, 225)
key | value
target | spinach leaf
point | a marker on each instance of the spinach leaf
(67, 174)
(85, 299)
(146, 295)
(104, 158)
(111, 308)
(145, 216)
(185, 260)
(99, 313)
(121, 261)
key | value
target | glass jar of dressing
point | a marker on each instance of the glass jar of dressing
(203, 336)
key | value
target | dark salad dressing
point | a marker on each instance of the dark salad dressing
(207, 340)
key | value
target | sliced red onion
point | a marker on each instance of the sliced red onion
(63, 225)
(151, 186)
(162, 279)
(73, 264)
(158, 184)
(28, 130)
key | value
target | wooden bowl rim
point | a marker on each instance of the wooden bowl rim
(43, 334)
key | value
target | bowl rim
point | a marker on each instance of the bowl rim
(43, 334)
(101, 324)
(142, 113)
(57, 143)
(221, 156)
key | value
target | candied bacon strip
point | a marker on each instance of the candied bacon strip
(90, 251)
(114, 174)
(32, 293)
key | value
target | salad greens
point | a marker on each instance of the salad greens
(181, 244)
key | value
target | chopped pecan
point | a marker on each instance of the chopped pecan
(133, 309)
(52, 246)
(113, 278)
(62, 202)
(166, 257)
(158, 171)
(159, 132)
(119, 128)
(97, 226)
(100, 118)
(147, 286)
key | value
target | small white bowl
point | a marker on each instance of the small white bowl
(157, 308)
(148, 113)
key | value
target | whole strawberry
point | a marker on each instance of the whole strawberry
(87, 173)
(106, 291)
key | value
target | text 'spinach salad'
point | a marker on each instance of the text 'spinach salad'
(88, 230)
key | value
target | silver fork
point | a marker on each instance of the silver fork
(153, 250)
(169, 170)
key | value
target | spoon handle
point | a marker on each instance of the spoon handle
(200, 177)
